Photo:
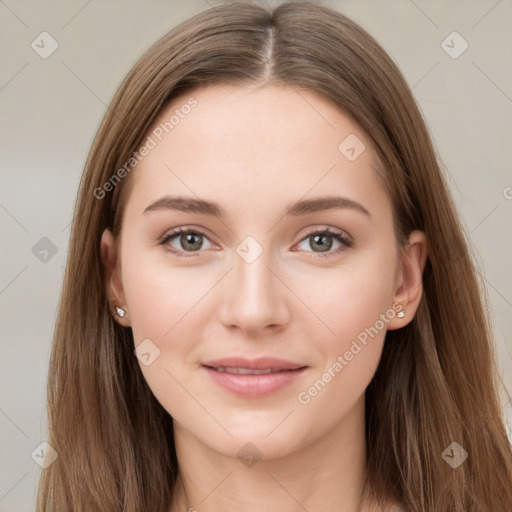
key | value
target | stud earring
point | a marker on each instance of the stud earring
(401, 314)
(119, 311)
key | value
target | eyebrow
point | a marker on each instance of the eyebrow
(299, 208)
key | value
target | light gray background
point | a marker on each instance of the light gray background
(50, 109)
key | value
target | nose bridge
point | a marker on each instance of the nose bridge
(254, 299)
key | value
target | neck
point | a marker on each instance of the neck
(324, 474)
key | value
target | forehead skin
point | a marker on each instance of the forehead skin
(255, 150)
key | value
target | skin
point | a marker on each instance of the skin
(255, 150)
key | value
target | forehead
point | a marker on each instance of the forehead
(252, 142)
(242, 118)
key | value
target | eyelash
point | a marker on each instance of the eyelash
(345, 241)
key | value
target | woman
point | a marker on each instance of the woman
(269, 302)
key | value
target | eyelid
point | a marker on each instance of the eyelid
(182, 229)
(331, 231)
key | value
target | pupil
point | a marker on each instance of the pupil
(324, 246)
(189, 240)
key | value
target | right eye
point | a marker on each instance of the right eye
(190, 240)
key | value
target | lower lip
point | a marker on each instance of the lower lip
(254, 386)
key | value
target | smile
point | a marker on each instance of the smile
(253, 383)
(246, 371)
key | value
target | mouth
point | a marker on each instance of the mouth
(253, 378)
(249, 371)
(261, 363)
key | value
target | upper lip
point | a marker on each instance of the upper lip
(261, 363)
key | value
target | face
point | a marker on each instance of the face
(315, 285)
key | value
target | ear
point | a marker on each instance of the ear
(112, 277)
(410, 279)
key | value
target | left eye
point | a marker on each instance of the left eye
(324, 241)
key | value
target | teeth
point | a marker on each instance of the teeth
(245, 371)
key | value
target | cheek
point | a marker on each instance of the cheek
(167, 307)
(353, 309)
(332, 391)
(163, 305)
(348, 299)
(159, 297)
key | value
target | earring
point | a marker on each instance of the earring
(401, 314)
(119, 311)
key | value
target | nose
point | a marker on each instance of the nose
(254, 297)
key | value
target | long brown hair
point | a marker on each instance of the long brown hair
(436, 382)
